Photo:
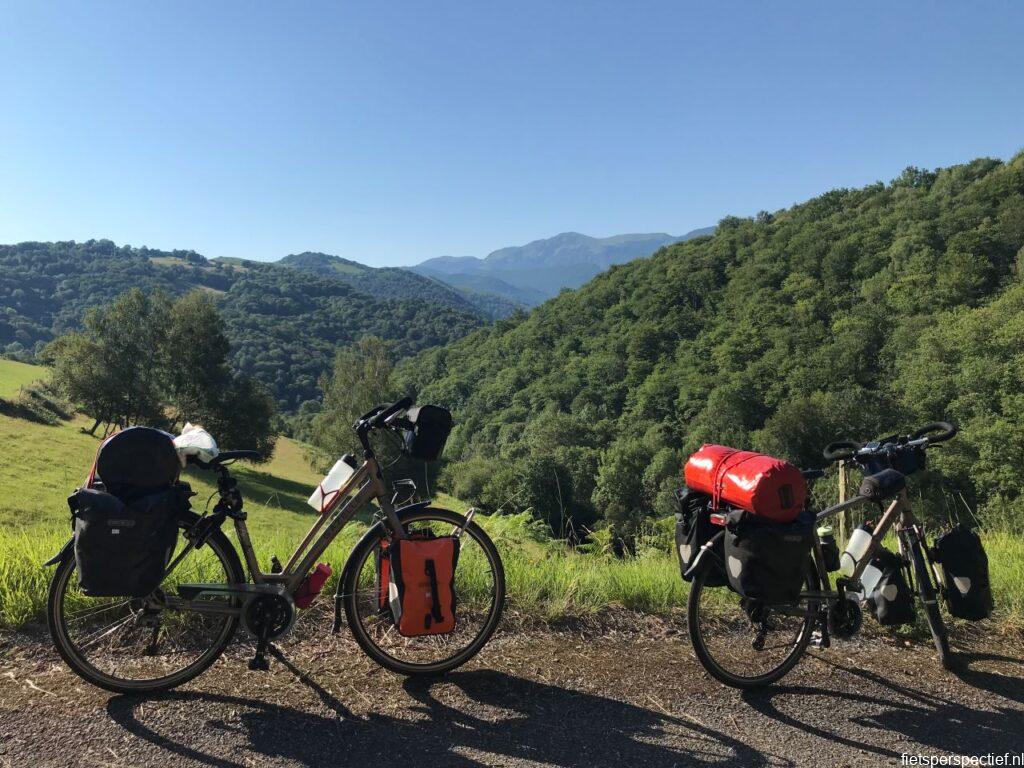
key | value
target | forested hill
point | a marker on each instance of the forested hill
(283, 323)
(398, 283)
(857, 312)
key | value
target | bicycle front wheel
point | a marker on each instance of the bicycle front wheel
(744, 643)
(929, 599)
(141, 645)
(479, 585)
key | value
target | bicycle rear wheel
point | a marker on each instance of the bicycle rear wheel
(742, 643)
(479, 584)
(139, 645)
(929, 599)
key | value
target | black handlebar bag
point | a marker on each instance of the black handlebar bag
(966, 586)
(125, 520)
(427, 430)
(765, 560)
(693, 530)
(891, 600)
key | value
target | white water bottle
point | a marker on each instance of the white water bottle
(856, 548)
(327, 492)
(869, 579)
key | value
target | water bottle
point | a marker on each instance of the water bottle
(829, 548)
(326, 494)
(869, 579)
(856, 548)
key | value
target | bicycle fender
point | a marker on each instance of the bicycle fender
(409, 507)
(68, 550)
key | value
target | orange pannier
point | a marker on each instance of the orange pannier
(421, 588)
(760, 484)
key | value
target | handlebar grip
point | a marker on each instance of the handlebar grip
(391, 410)
(841, 449)
(947, 431)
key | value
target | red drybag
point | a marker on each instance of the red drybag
(763, 485)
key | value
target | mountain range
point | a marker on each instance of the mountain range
(532, 273)
(285, 318)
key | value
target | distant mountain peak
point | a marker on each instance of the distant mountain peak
(541, 268)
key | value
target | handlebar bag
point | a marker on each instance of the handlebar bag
(760, 484)
(891, 600)
(765, 560)
(421, 590)
(122, 549)
(964, 566)
(427, 430)
(693, 530)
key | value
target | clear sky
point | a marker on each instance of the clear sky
(394, 132)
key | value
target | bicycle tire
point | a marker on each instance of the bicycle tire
(719, 672)
(930, 601)
(55, 620)
(350, 583)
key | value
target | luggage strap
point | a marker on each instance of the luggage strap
(435, 608)
(725, 466)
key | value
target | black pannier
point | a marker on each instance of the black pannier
(126, 518)
(693, 530)
(121, 550)
(765, 560)
(891, 600)
(966, 586)
(427, 430)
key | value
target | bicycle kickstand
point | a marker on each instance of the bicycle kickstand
(259, 662)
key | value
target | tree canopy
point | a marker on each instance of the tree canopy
(855, 314)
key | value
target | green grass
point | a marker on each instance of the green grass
(15, 375)
(40, 465)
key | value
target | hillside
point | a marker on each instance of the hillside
(537, 271)
(857, 312)
(397, 283)
(283, 323)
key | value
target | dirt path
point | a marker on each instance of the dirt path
(623, 698)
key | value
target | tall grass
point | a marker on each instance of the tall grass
(546, 579)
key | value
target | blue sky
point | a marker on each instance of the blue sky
(390, 133)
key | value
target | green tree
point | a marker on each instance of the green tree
(360, 380)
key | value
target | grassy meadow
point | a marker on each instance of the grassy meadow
(41, 464)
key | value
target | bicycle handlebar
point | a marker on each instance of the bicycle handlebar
(921, 437)
(841, 449)
(224, 456)
(947, 431)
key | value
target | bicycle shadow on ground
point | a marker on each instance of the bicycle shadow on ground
(464, 719)
(884, 705)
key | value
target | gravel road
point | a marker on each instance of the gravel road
(614, 697)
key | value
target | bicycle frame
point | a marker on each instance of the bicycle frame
(898, 513)
(364, 486)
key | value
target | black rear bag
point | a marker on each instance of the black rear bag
(966, 588)
(891, 600)
(122, 550)
(765, 560)
(427, 431)
(693, 530)
(126, 521)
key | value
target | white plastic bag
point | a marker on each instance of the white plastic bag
(195, 441)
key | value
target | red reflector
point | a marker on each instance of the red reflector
(717, 518)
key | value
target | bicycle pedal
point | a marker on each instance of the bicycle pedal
(819, 640)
